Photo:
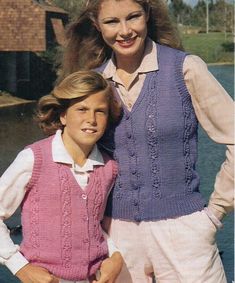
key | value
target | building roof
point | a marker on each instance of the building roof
(25, 24)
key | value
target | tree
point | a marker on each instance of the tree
(199, 14)
(221, 17)
(180, 12)
(73, 7)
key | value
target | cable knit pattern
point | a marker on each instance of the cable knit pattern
(66, 232)
(34, 200)
(61, 222)
(155, 145)
(152, 136)
(190, 120)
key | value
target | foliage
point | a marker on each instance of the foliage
(71, 6)
(210, 47)
(221, 14)
(228, 46)
(180, 12)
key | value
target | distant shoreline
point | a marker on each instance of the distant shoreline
(220, 63)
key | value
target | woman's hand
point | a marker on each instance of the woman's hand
(35, 274)
(110, 268)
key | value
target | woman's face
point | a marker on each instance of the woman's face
(123, 24)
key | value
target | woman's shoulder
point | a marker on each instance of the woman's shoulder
(101, 68)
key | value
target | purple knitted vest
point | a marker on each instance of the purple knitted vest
(155, 146)
(61, 222)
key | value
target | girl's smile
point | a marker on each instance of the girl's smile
(85, 122)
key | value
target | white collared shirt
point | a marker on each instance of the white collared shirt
(81, 174)
(12, 191)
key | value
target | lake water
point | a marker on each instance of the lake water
(17, 130)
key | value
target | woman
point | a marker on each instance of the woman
(160, 221)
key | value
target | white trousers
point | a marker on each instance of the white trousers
(181, 250)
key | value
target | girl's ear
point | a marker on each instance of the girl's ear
(63, 118)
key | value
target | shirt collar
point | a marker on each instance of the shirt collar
(148, 64)
(60, 155)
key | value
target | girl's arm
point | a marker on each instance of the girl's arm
(215, 111)
(110, 269)
(12, 191)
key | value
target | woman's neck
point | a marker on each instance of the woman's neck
(129, 64)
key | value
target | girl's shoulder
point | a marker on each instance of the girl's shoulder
(40, 143)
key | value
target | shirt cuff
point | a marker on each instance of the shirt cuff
(213, 218)
(112, 248)
(16, 262)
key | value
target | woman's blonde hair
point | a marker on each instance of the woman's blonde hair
(86, 49)
(77, 85)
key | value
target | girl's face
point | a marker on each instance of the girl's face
(85, 122)
(123, 25)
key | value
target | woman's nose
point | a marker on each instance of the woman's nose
(125, 29)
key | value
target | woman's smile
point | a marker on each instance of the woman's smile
(123, 25)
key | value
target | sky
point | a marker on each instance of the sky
(191, 2)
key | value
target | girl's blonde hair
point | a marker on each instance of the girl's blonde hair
(77, 85)
(86, 48)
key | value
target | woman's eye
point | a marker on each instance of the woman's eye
(135, 16)
(111, 22)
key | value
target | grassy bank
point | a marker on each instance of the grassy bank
(212, 47)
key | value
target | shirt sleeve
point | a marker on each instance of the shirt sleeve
(214, 109)
(12, 191)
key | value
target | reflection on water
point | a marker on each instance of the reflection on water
(17, 129)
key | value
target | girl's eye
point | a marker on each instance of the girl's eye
(101, 111)
(81, 109)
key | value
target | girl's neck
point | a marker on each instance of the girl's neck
(79, 153)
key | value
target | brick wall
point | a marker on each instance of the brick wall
(23, 25)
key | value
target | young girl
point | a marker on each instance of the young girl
(160, 220)
(62, 183)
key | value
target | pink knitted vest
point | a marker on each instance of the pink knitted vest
(61, 222)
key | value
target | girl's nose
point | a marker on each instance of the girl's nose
(91, 118)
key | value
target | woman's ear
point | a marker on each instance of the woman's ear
(147, 13)
(95, 22)
(63, 118)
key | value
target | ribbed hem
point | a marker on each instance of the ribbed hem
(155, 209)
(75, 272)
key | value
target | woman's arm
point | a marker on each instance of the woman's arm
(214, 109)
